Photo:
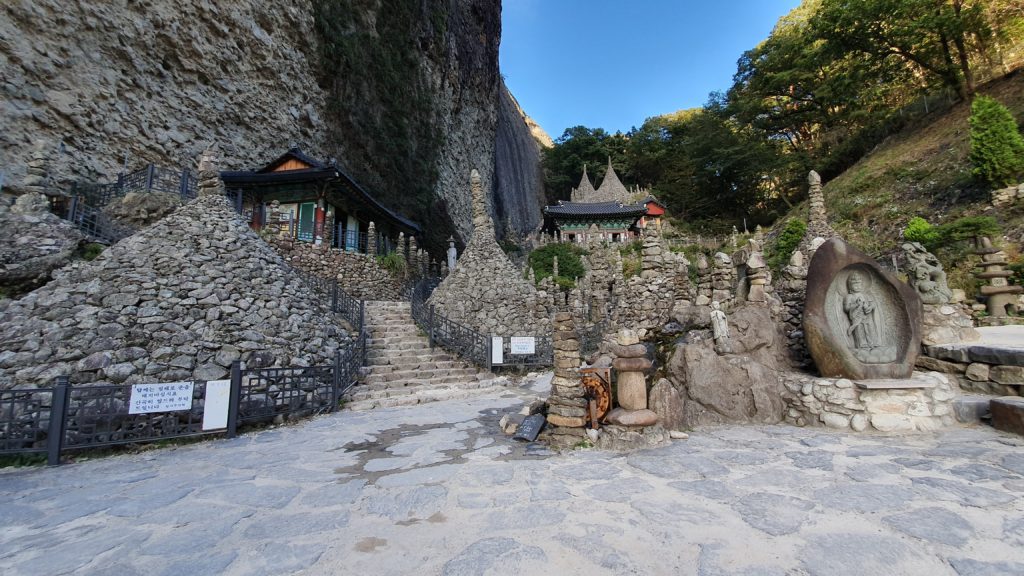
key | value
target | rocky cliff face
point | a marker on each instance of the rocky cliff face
(519, 179)
(405, 94)
(155, 82)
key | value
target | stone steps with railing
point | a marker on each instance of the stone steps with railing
(402, 370)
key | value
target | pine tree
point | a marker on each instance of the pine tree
(997, 148)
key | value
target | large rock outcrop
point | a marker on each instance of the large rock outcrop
(742, 386)
(519, 178)
(404, 94)
(180, 300)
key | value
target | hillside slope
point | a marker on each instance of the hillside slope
(922, 171)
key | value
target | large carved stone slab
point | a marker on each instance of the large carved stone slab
(860, 322)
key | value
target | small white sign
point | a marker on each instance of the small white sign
(497, 350)
(215, 406)
(523, 345)
(167, 397)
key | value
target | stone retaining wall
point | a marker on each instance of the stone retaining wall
(924, 402)
(979, 369)
(358, 274)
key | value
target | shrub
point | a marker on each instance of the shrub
(919, 230)
(570, 265)
(969, 227)
(997, 148)
(91, 250)
(786, 243)
(394, 263)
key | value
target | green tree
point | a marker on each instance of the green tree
(997, 148)
(577, 147)
(939, 38)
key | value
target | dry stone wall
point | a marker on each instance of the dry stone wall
(33, 243)
(843, 404)
(180, 300)
(358, 274)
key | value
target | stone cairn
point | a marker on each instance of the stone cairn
(630, 363)
(486, 291)
(567, 407)
(758, 274)
(703, 281)
(37, 177)
(817, 217)
(1001, 296)
(723, 279)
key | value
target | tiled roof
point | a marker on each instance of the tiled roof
(583, 209)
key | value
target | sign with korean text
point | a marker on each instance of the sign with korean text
(167, 397)
(523, 345)
(215, 406)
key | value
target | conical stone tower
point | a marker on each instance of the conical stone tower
(180, 300)
(486, 291)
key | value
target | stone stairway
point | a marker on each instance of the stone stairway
(402, 370)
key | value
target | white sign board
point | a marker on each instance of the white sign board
(215, 406)
(523, 345)
(168, 397)
(497, 350)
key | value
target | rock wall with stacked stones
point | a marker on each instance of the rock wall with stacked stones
(33, 243)
(358, 274)
(180, 300)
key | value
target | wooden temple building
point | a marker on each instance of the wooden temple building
(610, 212)
(319, 201)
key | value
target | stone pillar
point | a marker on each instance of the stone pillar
(210, 183)
(37, 176)
(723, 279)
(554, 266)
(371, 239)
(401, 248)
(630, 364)
(758, 275)
(566, 405)
(415, 266)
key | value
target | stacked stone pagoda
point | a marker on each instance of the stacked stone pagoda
(485, 291)
(1001, 296)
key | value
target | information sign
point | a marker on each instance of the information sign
(523, 345)
(497, 350)
(167, 397)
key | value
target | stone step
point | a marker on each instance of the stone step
(420, 396)
(1008, 414)
(429, 365)
(402, 387)
(396, 357)
(428, 374)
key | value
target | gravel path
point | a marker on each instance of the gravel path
(435, 489)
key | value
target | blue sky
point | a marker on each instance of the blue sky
(613, 63)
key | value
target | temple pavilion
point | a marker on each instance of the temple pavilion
(319, 202)
(610, 212)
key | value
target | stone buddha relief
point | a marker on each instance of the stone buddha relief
(860, 321)
(862, 312)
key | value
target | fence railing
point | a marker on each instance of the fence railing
(151, 178)
(468, 343)
(65, 417)
(94, 223)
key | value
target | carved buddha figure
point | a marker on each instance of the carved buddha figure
(860, 309)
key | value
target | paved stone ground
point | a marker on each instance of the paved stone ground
(435, 489)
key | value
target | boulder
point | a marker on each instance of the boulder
(860, 321)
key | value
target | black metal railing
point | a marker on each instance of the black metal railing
(55, 420)
(94, 224)
(468, 343)
(151, 178)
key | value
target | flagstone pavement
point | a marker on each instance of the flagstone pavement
(437, 489)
